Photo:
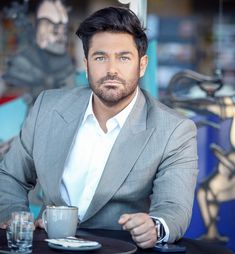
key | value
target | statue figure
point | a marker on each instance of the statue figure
(219, 186)
(44, 63)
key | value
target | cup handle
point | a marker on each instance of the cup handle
(44, 219)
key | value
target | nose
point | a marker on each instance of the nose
(112, 66)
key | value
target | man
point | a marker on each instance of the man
(124, 159)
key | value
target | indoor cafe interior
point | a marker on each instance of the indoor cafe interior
(191, 68)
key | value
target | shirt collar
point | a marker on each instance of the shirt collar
(120, 117)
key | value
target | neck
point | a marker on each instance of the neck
(104, 111)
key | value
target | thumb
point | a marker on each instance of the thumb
(124, 218)
(39, 223)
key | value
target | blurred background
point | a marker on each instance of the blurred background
(187, 34)
(191, 68)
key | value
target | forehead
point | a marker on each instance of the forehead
(112, 43)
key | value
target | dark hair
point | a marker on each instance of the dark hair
(113, 19)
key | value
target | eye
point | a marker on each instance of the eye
(124, 59)
(100, 59)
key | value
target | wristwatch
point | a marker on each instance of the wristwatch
(160, 230)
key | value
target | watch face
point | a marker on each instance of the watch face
(158, 225)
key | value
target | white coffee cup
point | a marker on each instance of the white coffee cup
(60, 221)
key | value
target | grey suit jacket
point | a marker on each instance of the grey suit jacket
(152, 166)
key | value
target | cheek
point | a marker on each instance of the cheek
(94, 74)
(133, 72)
(98, 70)
(128, 69)
(93, 67)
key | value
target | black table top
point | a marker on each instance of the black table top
(115, 242)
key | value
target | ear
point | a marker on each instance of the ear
(143, 65)
(85, 63)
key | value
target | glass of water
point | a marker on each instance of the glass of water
(21, 236)
(20, 232)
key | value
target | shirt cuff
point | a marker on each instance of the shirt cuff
(167, 232)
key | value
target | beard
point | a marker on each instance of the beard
(113, 94)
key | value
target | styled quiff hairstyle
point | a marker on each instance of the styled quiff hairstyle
(115, 20)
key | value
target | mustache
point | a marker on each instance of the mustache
(111, 77)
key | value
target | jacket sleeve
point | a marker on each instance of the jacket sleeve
(174, 186)
(17, 171)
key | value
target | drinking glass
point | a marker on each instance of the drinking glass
(22, 236)
(20, 232)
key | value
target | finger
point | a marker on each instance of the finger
(136, 220)
(124, 219)
(3, 225)
(39, 223)
(147, 244)
(147, 226)
(147, 236)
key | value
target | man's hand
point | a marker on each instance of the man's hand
(3, 225)
(39, 223)
(141, 227)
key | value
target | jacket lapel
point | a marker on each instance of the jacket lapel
(127, 148)
(64, 125)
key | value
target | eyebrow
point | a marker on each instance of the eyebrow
(104, 53)
(125, 53)
(98, 53)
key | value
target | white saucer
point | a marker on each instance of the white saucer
(81, 248)
(73, 244)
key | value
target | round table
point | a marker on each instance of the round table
(114, 242)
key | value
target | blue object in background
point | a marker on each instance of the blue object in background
(81, 79)
(206, 162)
(35, 209)
(207, 166)
(149, 81)
(12, 115)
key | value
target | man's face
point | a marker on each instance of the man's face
(114, 67)
(52, 37)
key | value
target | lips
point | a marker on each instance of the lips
(111, 79)
(112, 82)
